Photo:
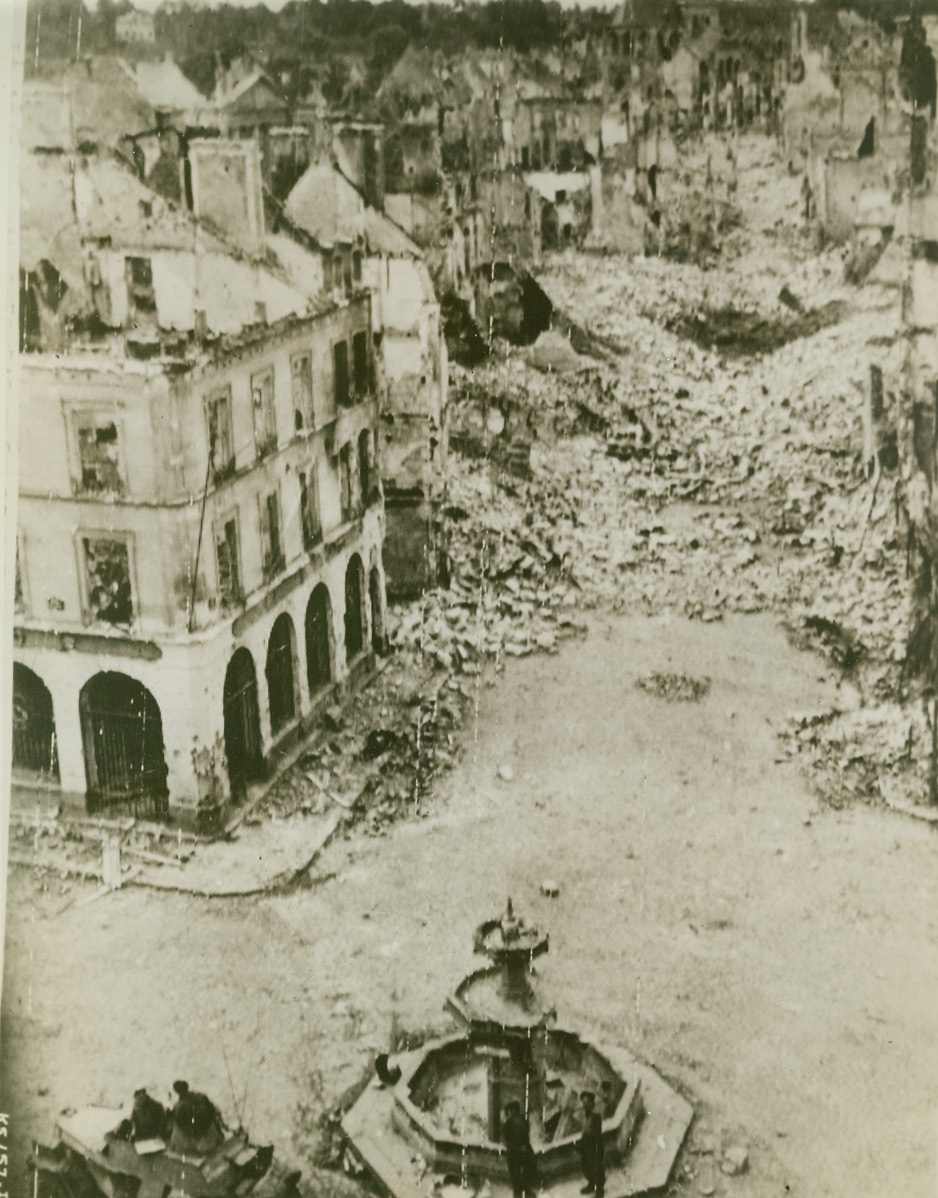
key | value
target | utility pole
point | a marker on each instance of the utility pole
(198, 545)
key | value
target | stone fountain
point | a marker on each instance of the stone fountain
(440, 1124)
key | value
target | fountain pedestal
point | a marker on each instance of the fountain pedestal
(445, 1114)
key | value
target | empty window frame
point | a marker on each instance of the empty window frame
(367, 476)
(271, 535)
(340, 373)
(228, 563)
(19, 594)
(301, 379)
(108, 590)
(309, 509)
(98, 455)
(140, 292)
(220, 440)
(360, 364)
(346, 483)
(265, 416)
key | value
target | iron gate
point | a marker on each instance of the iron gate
(318, 663)
(34, 744)
(279, 670)
(354, 614)
(123, 734)
(243, 746)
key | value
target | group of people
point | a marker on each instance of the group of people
(192, 1124)
(522, 1164)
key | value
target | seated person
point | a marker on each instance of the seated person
(388, 1075)
(196, 1124)
(148, 1118)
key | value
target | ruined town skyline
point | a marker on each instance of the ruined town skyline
(477, 494)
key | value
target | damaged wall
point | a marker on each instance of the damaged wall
(116, 460)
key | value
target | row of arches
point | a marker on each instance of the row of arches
(243, 742)
(121, 723)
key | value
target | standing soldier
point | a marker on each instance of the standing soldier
(521, 1165)
(591, 1148)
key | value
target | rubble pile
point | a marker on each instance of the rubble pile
(695, 462)
(679, 688)
(71, 844)
(510, 592)
(875, 753)
(378, 759)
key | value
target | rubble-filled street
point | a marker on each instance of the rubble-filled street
(660, 702)
(772, 957)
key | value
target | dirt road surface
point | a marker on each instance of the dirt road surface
(776, 962)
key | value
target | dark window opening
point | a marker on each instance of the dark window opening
(271, 536)
(141, 294)
(923, 438)
(354, 608)
(376, 600)
(868, 144)
(19, 601)
(309, 510)
(265, 422)
(301, 378)
(98, 456)
(340, 373)
(877, 404)
(365, 474)
(346, 490)
(360, 363)
(229, 567)
(221, 448)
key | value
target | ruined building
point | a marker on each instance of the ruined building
(325, 207)
(200, 525)
(844, 117)
(912, 424)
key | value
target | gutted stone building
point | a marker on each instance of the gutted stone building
(413, 412)
(200, 525)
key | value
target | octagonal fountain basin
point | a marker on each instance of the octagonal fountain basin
(450, 1100)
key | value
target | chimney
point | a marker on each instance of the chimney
(200, 325)
(227, 188)
(260, 311)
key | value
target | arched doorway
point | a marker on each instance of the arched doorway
(122, 735)
(242, 723)
(281, 688)
(354, 607)
(376, 600)
(319, 639)
(34, 746)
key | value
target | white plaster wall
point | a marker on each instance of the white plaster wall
(187, 682)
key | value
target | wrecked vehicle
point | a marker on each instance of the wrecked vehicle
(97, 1153)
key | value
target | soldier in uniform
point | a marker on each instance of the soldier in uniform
(197, 1125)
(591, 1148)
(148, 1119)
(522, 1168)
